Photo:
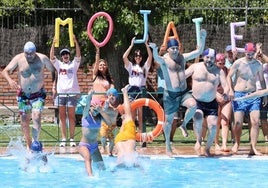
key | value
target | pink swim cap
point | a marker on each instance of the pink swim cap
(220, 57)
(250, 47)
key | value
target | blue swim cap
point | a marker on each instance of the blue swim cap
(29, 47)
(172, 42)
(112, 91)
(209, 52)
(36, 146)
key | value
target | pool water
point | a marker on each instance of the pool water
(154, 172)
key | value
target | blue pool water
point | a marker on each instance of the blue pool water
(155, 172)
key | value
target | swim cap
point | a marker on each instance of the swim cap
(64, 50)
(228, 48)
(172, 42)
(220, 57)
(36, 146)
(112, 91)
(29, 47)
(209, 52)
(250, 47)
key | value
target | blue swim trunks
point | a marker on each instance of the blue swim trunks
(247, 105)
(173, 100)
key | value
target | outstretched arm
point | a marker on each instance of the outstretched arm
(256, 94)
(126, 104)
(199, 50)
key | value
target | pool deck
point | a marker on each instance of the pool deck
(158, 151)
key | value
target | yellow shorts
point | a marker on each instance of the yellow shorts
(128, 132)
(107, 131)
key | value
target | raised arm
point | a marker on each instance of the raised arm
(199, 50)
(97, 61)
(88, 102)
(149, 52)
(127, 52)
(77, 47)
(157, 58)
(52, 50)
(126, 104)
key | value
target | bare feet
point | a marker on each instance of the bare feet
(254, 151)
(225, 149)
(169, 151)
(217, 147)
(235, 148)
(197, 148)
(207, 152)
(184, 131)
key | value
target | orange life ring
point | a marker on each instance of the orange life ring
(149, 136)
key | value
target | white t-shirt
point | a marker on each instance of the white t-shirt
(67, 75)
(137, 75)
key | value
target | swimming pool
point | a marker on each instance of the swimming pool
(156, 172)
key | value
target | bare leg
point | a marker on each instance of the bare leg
(62, 116)
(36, 118)
(212, 127)
(198, 121)
(190, 104)
(264, 127)
(237, 129)
(173, 129)
(167, 130)
(71, 117)
(25, 121)
(254, 132)
(226, 114)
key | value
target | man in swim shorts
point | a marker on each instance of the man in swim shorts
(125, 140)
(206, 77)
(246, 70)
(173, 65)
(31, 95)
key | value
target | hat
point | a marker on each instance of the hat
(172, 42)
(250, 47)
(220, 57)
(112, 91)
(64, 50)
(36, 146)
(228, 48)
(209, 52)
(29, 47)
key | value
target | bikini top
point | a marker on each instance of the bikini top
(91, 122)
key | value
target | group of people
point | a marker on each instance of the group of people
(220, 84)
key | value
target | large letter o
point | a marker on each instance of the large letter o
(110, 31)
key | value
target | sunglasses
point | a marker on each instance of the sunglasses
(64, 53)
